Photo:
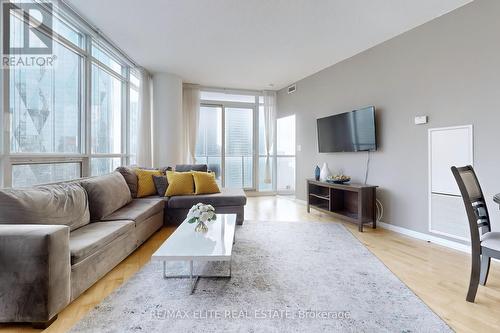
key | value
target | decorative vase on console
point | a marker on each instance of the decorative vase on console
(317, 172)
(325, 172)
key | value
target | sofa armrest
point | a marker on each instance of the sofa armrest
(35, 272)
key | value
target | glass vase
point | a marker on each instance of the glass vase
(201, 227)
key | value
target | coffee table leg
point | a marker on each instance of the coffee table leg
(192, 277)
(194, 280)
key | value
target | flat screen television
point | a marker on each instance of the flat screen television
(348, 132)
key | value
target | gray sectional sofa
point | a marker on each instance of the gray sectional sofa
(57, 240)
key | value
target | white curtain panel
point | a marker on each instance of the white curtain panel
(191, 110)
(144, 150)
(269, 127)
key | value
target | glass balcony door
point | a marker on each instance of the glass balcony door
(209, 141)
(225, 143)
(238, 143)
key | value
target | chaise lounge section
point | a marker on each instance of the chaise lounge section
(57, 240)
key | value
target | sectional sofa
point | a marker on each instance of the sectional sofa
(57, 240)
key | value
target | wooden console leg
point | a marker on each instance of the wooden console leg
(44, 324)
(360, 227)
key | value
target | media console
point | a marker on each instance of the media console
(351, 202)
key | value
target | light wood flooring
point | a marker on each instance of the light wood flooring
(438, 275)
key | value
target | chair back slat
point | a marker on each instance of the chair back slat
(475, 205)
(472, 186)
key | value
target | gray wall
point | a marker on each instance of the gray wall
(448, 69)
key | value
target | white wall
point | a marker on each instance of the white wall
(168, 129)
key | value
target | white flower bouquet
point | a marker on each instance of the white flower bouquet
(201, 214)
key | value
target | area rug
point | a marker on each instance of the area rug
(286, 277)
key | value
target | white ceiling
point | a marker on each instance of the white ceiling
(252, 43)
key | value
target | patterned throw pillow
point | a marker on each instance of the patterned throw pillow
(161, 184)
(145, 184)
(179, 183)
(204, 183)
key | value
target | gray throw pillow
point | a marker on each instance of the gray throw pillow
(161, 184)
(191, 167)
(130, 178)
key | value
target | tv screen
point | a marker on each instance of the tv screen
(350, 131)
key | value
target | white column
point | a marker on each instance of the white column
(168, 129)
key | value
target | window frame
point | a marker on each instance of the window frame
(89, 36)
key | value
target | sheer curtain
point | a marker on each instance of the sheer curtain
(191, 110)
(144, 150)
(269, 128)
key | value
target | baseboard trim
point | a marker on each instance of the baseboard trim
(425, 237)
(417, 235)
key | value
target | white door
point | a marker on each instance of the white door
(449, 146)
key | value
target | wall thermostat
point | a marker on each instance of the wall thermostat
(420, 120)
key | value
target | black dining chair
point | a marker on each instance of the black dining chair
(485, 244)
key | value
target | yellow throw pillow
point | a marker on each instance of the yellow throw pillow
(145, 184)
(204, 183)
(179, 183)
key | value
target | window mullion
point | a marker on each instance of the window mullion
(126, 118)
(87, 108)
(223, 147)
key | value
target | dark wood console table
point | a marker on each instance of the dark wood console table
(351, 202)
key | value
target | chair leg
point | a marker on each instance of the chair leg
(474, 278)
(485, 269)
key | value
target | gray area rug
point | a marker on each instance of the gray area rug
(287, 277)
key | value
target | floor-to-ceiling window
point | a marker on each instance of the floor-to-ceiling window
(285, 154)
(238, 143)
(232, 142)
(77, 117)
(209, 141)
(133, 125)
(106, 112)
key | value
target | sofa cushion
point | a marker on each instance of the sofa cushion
(191, 167)
(59, 204)
(227, 197)
(131, 179)
(106, 194)
(92, 237)
(138, 210)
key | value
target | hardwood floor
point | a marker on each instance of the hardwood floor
(438, 275)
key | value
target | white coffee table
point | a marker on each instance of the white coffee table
(185, 244)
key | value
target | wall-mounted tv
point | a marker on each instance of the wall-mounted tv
(347, 132)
